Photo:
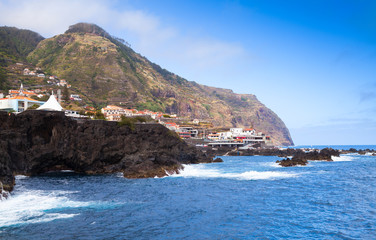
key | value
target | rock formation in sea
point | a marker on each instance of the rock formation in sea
(301, 158)
(293, 157)
(35, 142)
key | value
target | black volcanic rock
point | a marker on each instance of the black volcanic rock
(290, 162)
(264, 152)
(371, 152)
(301, 158)
(35, 142)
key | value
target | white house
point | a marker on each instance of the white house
(250, 131)
(75, 97)
(236, 131)
(214, 136)
(18, 103)
(112, 109)
(225, 135)
(18, 100)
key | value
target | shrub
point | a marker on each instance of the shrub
(99, 115)
(35, 106)
(128, 122)
(140, 119)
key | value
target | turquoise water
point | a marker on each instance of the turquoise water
(241, 198)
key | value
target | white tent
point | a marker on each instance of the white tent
(51, 105)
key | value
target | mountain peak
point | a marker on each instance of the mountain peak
(87, 28)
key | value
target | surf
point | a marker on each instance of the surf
(202, 171)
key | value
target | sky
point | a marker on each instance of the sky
(311, 62)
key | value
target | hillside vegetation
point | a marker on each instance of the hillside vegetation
(104, 70)
(15, 45)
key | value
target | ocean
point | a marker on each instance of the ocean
(241, 198)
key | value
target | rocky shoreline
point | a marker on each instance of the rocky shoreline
(301, 157)
(36, 142)
(292, 156)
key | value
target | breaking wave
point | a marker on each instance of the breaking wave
(19, 177)
(200, 171)
(343, 158)
(36, 206)
(370, 154)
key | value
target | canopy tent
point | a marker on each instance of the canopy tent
(51, 105)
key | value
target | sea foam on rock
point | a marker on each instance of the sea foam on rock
(3, 193)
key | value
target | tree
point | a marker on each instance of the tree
(66, 94)
(99, 115)
(44, 98)
(35, 97)
(35, 106)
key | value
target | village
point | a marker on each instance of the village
(199, 132)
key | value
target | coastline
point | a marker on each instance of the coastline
(35, 142)
(293, 156)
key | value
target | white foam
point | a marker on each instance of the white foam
(18, 177)
(253, 175)
(4, 195)
(200, 171)
(271, 164)
(343, 158)
(34, 206)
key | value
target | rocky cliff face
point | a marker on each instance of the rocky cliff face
(103, 69)
(36, 142)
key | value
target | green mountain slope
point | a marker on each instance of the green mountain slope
(15, 45)
(105, 70)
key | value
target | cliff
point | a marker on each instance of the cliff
(36, 142)
(104, 70)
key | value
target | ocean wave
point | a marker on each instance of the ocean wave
(369, 154)
(200, 171)
(39, 206)
(343, 158)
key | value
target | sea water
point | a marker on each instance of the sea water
(241, 198)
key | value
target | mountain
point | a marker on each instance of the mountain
(15, 45)
(104, 70)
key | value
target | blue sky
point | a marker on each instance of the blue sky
(312, 62)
